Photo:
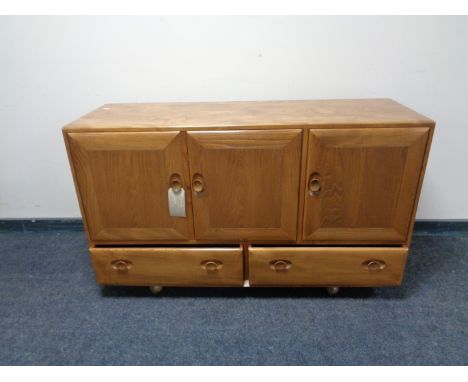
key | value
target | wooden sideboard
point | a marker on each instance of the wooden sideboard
(275, 193)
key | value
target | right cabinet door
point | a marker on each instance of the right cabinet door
(362, 184)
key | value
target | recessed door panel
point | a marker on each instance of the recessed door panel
(245, 184)
(123, 180)
(362, 184)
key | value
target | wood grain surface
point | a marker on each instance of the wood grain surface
(326, 266)
(168, 266)
(288, 177)
(248, 114)
(368, 181)
(123, 179)
(251, 184)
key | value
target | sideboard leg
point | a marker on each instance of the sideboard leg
(155, 289)
(333, 290)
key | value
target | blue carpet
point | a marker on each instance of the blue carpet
(53, 313)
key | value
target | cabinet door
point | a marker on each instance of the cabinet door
(123, 181)
(362, 184)
(245, 184)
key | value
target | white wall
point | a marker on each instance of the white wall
(54, 69)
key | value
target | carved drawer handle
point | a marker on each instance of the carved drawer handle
(280, 265)
(374, 265)
(121, 265)
(314, 184)
(211, 265)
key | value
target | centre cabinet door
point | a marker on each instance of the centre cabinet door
(245, 184)
(362, 184)
(123, 181)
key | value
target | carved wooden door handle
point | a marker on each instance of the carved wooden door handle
(175, 183)
(314, 184)
(198, 184)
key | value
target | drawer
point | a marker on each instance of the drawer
(322, 266)
(168, 266)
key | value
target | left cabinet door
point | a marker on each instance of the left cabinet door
(123, 181)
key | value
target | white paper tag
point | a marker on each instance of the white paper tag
(176, 203)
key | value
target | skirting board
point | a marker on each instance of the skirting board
(422, 227)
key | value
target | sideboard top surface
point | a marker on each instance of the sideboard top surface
(244, 114)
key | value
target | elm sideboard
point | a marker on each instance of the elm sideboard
(275, 193)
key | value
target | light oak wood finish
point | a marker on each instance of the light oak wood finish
(326, 266)
(87, 230)
(168, 266)
(302, 185)
(245, 184)
(123, 179)
(249, 115)
(362, 184)
(420, 183)
(299, 175)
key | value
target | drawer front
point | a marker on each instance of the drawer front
(168, 266)
(302, 266)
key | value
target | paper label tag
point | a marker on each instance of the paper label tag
(176, 203)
